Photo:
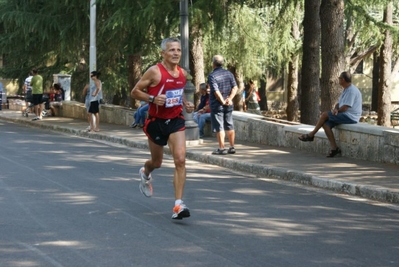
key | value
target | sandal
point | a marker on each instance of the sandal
(220, 151)
(306, 138)
(334, 152)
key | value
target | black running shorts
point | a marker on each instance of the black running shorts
(158, 130)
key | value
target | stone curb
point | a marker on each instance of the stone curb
(260, 170)
(370, 192)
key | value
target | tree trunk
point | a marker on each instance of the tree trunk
(375, 82)
(238, 105)
(240, 84)
(197, 61)
(262, 93)
(311, 63)
(134, 75)
(332, 51)
(292, 94)
(384, 88)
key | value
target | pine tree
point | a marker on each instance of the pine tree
(310, 86)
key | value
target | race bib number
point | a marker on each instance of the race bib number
(174, 98)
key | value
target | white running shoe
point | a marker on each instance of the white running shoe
(145, 185)
(180, 211)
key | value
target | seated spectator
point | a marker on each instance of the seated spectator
(347, 111)
(48, 96)
(203, 118)
(140, 115)
(204, 98)
(59, 96)
(202, 114)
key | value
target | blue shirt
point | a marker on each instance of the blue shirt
(220, 80)
(351, 97)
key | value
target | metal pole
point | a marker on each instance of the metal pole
(93, 49)
(184, 33)
(192, 131)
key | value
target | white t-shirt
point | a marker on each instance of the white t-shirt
(27, 83)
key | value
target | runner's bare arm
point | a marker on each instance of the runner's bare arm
(150, 78)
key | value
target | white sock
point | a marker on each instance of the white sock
(178, 202)
(145, 176)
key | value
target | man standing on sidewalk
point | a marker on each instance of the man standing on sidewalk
(223, 89)
(37, 94)
(27, 88)
(162, 85)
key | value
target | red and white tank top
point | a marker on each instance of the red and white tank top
(173, 88)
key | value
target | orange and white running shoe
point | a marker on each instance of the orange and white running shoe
(180, 211)
(145, 185)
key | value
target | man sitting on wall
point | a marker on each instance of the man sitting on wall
(347, 111)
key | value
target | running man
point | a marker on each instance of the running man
(162, 85)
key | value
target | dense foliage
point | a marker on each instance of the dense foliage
(254, 36)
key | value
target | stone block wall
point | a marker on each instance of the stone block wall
(360, 141)
(108, 113)
(15, 104)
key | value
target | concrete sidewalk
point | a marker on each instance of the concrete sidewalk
(371, 180)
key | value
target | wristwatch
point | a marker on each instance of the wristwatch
(151, 99)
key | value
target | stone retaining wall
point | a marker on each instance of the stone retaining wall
(360, 141)
(108, 113)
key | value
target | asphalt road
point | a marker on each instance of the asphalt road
(71, 201)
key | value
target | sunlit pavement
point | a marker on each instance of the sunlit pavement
(372, 180)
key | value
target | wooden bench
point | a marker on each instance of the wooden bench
(395, 118)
